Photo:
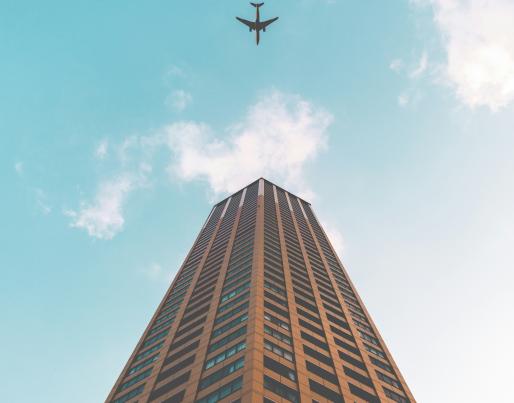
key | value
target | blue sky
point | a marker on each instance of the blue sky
(121, 123)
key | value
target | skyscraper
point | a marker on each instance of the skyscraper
(262, 310)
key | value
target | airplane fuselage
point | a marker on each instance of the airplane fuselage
(257, 22)
(257, 25)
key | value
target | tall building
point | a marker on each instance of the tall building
(262, 310)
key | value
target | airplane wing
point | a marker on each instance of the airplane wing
(264, 24)
(250, 24)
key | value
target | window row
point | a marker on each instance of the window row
(225, 355)
(221, 373)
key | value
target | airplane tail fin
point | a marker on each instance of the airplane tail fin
(257, 5)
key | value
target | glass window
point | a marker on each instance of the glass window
(229, 325)
(235, 292)
(227, 339)
(276, 321)
(395, 396)
(281, 390)
(130, 395)
(145, 363)
(279, 368)
(277, 335)
(278, 350)
(222, 392)
(388, 379)
(225, 355)
(234, 302)
(136, 379)
(374, 351)
(148, 352)
(233, 312)
(221, 373)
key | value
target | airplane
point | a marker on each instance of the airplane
(257, 25)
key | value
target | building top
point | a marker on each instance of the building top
(264, 179)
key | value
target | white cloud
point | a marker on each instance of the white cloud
(403, 99)
(396, 65)
(19, 167)
(276, 138)
(153, 271)
(103, 218)
(421, 67)
(174, 71)
(414, 72)
(478, 37)
(102, 149)
(179, 100)
(42, 201)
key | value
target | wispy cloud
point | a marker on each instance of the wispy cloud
(102, 149)
(103, 217)
(421, 66)
(19, 167)
(179, 100)
(396, 65)
(42, 201)
(478, 37)
(173, 72)
(153, 271)
(276, 138)
(413, 72)
(403, 99)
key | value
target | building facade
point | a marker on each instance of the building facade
(262, 310)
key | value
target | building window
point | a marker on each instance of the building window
(232, 303)
(276, 309)
(388, 380)
(155, 338)
(229, 325)
(278, 350)
(130, 395)
(374, 351)
(325, 392)
(281, 390)
(274, 288)
(277, 335)
(164, 317)
(222, 392)
(395, 396)
(381, 364)
(276, 321)
(235, 292)
(368, 397)
(357, 376)
(148, 352)
(318, 356)
(161, 326)
(225, 355)
(231, 284)
(221, 373)
(280, 369)
(136, 379)
(322, 373)
(145, 363)
(369, 338)
(227, 339)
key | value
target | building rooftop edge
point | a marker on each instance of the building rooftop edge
(266, 180)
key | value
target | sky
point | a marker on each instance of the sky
(122, 122)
